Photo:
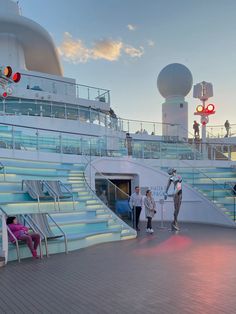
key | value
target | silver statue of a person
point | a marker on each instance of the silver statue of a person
(177, 196)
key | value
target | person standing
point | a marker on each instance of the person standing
(150, 210)
(136, 203)
(196, 129)
(128, 144)
(103, 197)
(227, 127)
(177, 196)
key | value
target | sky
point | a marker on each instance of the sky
(122, 45)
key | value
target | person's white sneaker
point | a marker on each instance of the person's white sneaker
(151, 231)
(148, 230)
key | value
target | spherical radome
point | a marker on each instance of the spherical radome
(174, 80)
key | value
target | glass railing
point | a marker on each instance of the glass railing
(219, 131)
(58, 110)
(46, 140)
(217, 188)
(44, 85)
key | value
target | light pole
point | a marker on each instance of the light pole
(204, 91)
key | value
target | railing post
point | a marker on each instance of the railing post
(60, 143)
(90, 160)
(37, 140)
(4, 106)
(213, 195)
(13, 138)
(234, 208)
(88, 93)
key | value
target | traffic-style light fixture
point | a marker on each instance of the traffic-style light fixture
(199, 109)
(205, 111)
(7, 77)
(4, 94)
(7, 71)
(16, 77)
(210, 109)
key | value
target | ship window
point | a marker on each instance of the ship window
(58, 111)
(71, 113)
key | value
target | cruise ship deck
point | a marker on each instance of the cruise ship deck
(192, 271)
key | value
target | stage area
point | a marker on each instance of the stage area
(193, 271)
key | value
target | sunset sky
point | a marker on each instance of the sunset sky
(122, 45)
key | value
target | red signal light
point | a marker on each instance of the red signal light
(4, 95)
(16, 77)
(210, 108)
(7, 71)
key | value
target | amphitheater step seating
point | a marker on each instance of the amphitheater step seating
(213, 183)
(89, 223)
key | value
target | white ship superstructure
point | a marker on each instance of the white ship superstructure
(64, 137)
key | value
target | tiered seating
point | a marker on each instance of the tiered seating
(215, 184)
(85, 222)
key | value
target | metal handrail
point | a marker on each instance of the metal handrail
(55, 196)
(67, 189)
(64, 234)
(34, 227)
(207, 143)
(105, 177)
(68, 83)
(94, 192)
(2, 167)
(115, 217)
(16, 241)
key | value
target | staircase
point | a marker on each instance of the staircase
(91, 222)
(215, 184)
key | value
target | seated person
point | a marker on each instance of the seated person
(22, 233)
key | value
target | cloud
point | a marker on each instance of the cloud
(134, 52)
(150, 43)
(131, 27)
(107, 49)
(75, 51)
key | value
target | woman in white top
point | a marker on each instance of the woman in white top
(150, 209)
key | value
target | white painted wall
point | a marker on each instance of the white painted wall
(175, 111)
(195, 207)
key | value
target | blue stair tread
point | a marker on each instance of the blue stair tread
(75, 236)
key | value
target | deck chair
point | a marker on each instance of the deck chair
(54, 188)
(35, 190)
(40, 221)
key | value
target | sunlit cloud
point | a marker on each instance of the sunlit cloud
(107, 49)
(150, 43)
(75, 51)
(134, 52)
(131, 27)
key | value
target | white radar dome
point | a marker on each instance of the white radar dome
(174, 80)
